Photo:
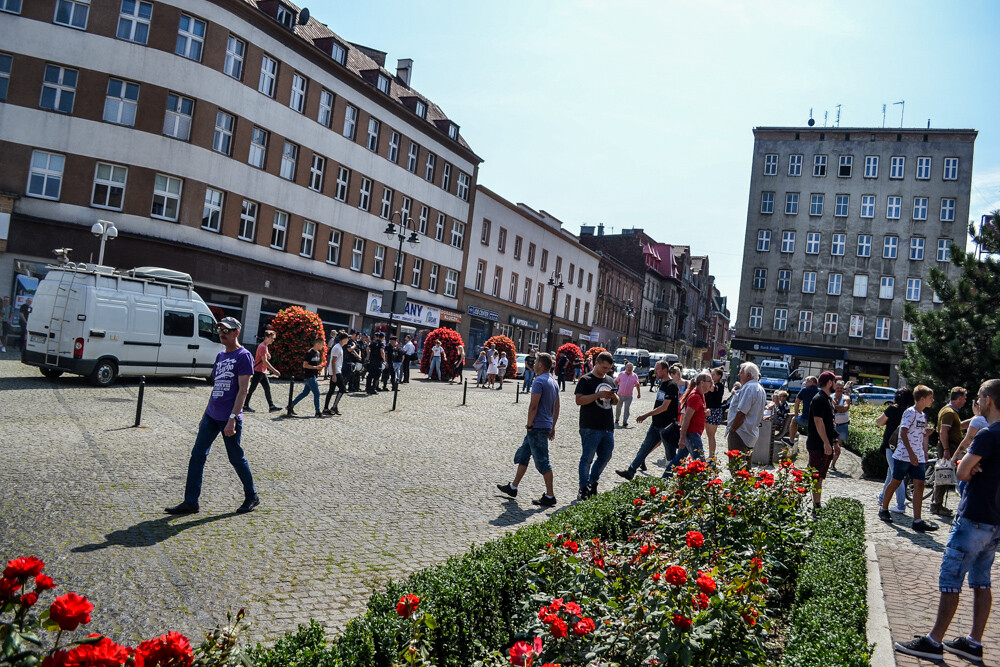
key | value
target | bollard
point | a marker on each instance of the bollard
(138, 405)
(291, 387)
(395, 395)
(465, 391)
(517, 393)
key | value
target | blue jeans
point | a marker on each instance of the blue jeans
(843, 430)
(529, 375)
(692, 447)
(650, 442)
(435, 365)
(208, 430)
(900, 492)
(397, 367)
(970, 550)
(311, 385)
(599, 443)
(535, 446)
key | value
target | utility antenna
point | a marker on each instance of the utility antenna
(838, 115)
(902, 108)
(883, 115)
(826, 114)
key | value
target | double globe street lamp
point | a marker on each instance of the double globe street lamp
(391, 231)
(104, 229)
(556, 283)
(629, 309)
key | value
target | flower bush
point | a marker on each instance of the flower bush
(297, 328)
(505, 344)
(592, 352)
(450, 340)
(572, 352)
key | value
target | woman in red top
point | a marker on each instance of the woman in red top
(693, 421)
(261, 365)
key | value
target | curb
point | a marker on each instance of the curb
(878, 619)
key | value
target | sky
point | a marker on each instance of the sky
(640, 114)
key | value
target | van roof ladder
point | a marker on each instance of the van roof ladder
(57, 320)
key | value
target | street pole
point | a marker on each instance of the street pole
(556, 283)
(397, 269)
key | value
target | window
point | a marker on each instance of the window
(830, 324)
(72, 13)
(531, 254)
(418, 268)
(794, 165)
(383, 83)
(248, 221)
(512, 288)
(398, 264)
(838, 244)
(279, 230)
(211, 217)
(480, 275)
(432, 278)
(502, 240)
(258, 147)
(308, 238)
(386, 210)
(316, 173)
(343, 181)
(373, 129)
(846, 166)
(816, 204)
(950, 169)
(763, 241)
(421, 109)
(268, 75)
(393, 154)
(325, 115)
(357, 254)
(780, 319)
(177, 120)
(871, 166)
(405, 207)
(289, 157)
(190, 37)
(429, 167)
(365, 196)
(947, 210)
(590, 281)
(166, 197)
(908, 336)
(882, 328)
(422, 220)
(121, 102)
(916, 249)
(222, 138)
(756, 317)
(771, 164)
(767, 203)
(896, 166)
(178, 324)
(867, 206)
(463, 186)
(458, 234)
(788, 242)
(519, 243)
(350, 122)
(920, 208)
(886, 287)
(857, 329)
(5, 65)
(923, 168)
(446, 177)
(864, 245)
(819, 165)
(58, 89)
(935, 298)
(297, 99)
(791, 203)
(913, 289)
(892, 207)
(843, 204)
(760, 278)
(109, 186)
(484, 238)
(45, 175)
(812, 243)
(439, 228)
(333, 248)
(545, 260)
(808, 282)
(890, 246)
(805, 321)
(784, 280)
(944, 250)
(526, 295)
(834, 284)
(285, 17)
(411, 157)
(338, 53)
(133, 20)
(539, 296)
(235, 51)
(497, 277)
(451, 283)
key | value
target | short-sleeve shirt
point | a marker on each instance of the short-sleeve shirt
(750, 401)
(437, 350)
(375, 355)
(548, 389)
(978, 422)
(916, 422)
(697, 402)
(713, 399)
(948, 417)
(599, 414)
(981, 500)
(313, 357)
(627, 382)
(229, 366)
(666, 392)
(806, 395)
(261, 358)
(893, 414)
(337, 355)
(821, 406)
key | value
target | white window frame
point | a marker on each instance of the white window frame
(113, 181)
(222, 135)
(867, 206)
(350, 122)
(358, 254)
(764, 240)
(834, 284)
(759, 278)
(816, 203)
(258, 147)
(795, 164)
(176, 123)
(860, 286)
(756, 319)
(917, 244)
(343, 183)
(451, 283)
(457, 234)
(422, 220)
(480, 275)
(831, 323)
(338, 53)
(923, 168)
(72, 13)
(913, 288)
(920, 205)
(788, 242)
(462, 192)
(412, 155)
(808, 282)
(948, 210)
(432, 278)
(439, 228)
(279, 230)
(421, 109)
(864, 245)
(165, 198)
(236, 51)
(317, 170)
(780, 319)
(429, 166)
(886, 287)
(897, 167)
(771, 164)
(950, 172)
(791, 203)
(883, 325)
(944, 250)
(857, 328)
(365, 194)
(374, 127)
(211, 216)
(333, 248)
(248, 221)
(121, 108)
(386, 207)
(842, 206)
(871, 166)
(134, 25)
(838, 245)
(846, 161)
(416, 272)
(289, 160)
(297, 98)
(819, 166)
(907, 333)
(268, 75)
(766, 203)
(784, 283)
(893, 207)
(308, 244)
(193, 43)
(59, 87)
(383, 83)
(446, 177)
(393, 153)
(325, 114)
(890, 246)
(813, 240)
(805, 321)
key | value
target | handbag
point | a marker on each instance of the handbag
(668, 431)
(944, 474)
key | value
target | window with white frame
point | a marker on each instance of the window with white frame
(297, 98)
(908, 336)
(531, 257)
(864, 245)
(422, 220)
(812, 243)
(780, 319)
(819, 166)
(463, 186)
(236, 50)
(764, 240)
(519, 243)
(333, 248)
(526, 294)
(944, 250)
(950, 169)
(896, 166)
(923, 168)
(248, 221)
(357, 254)
(338, 53)
(539, 296)
(421, 109)
(58, 89)
(756, 317)
(398, 264)
(268, 75)
(830, 323)
(308, 238)
(857, 329)
(432, 278)
(890, 247)
(917, 248)
(913, 289)
(429, 167)
(386, 210)
(350, 122)
(784, 280)
(480, 275)
(760, 278)
(816, 204)
(457, 234)
(484, 236)
(867, 206)
(791, 203)
(893, 207)
(121, 102)
(222, 136)
(411, 157)
(45, 175)
(843, 204)
(5, 64)
(808, 282)
(834, 284)
(383, 83)
(393, 154)
(418, 268)
(177, 119)
(73, 13)
(947, 210)
(279, 230)
(289, 158)
(497, 277)
(512, 288)
(405, 207)
(373, 130)
(285, 16)
(805, 321)
(258, 147)
(771, 164)
(787, 242)
(886, 287)
(316, 171)
(211, 216)
(325, 115)
(794, 165)
(838, 245)
(920, 208)
(133, 20)
(846, 167)
(378, 266)
(871, 166)
(935, 298)
(439, 228)
(343, 181)
(190, 37)
(365, 195)
(767, 203)
(882, 325)
(446, 177)
(109, 186)
(166, 197)
(502, 240)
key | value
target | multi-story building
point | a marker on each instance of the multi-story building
(719, 329)
(617, 312)
(236, 140)
(843, 227)
(526, 276)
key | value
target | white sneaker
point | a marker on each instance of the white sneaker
(898, 510)
(2, 349)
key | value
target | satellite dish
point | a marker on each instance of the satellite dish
(303, 16)
(811, 122)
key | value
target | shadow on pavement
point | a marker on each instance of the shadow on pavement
(513, 514)
(905, 530)
(148, 533)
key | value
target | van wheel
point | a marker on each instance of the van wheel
(104, 373)
(52, 373)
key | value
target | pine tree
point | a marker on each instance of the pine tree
(959, 344)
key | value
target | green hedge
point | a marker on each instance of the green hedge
(475, 597)
(865, 440)
(830, 615)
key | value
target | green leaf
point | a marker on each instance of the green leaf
(50, 625)
(430, 622)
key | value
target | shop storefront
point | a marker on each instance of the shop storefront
(481, 322)
(222, 303)
(524, 332)
(417, 319)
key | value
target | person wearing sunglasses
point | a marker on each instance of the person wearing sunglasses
(224, 414)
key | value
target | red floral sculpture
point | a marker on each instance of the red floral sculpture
(505, 344)
(297, 328)
(592, 352)
(450, 340)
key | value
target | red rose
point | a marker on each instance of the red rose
(170, 650)
(556, 604)
(756, 564)
(656, 576)
(558, 628)
(697, 466)
(407, 605)
(714, 482)
(542, 613)
(29, 599)
(70, 610)
(637, 501)
(57, 659)
(743, 474)
(599, 562)
(676, 575)
(550, 619)
(571, 545)
(44, 583)
(584, 627)
(706, 584)
(644, 550)
(799, 489)
(105, 653)
(700, 601)
(695, 539)
(22, 568)
(573, 608)
(682, 622)
(750, 618)
(652, 490)
(522, 653)
(8, 587)
(734, 453)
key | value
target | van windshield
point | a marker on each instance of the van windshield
(623, 358)
(773, 372)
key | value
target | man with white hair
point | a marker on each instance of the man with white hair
(747, 412)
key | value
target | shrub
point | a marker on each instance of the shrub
(297, 328)
(828, 621)
(505, 344)
(592, 352)
(865, 440)
(450, 340)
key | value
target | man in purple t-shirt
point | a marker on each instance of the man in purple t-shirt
(224, 414)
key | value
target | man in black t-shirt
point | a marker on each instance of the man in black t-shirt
(822, 431)
(664, 416)
(312, 364)
(376, 357)
(596, 395)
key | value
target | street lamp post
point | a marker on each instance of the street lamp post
(397, 270)
(629, 310)
(556, 283)
(104, 229)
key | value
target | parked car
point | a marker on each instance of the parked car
(519, 373)
(870, 393)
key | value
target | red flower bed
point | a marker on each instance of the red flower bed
(505, 344)
(297, 328)
(450, 340)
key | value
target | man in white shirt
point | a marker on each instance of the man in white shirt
(747, 412)
(336, 375)
(409, 352)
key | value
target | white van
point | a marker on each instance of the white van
(638, 356)
(103, 323)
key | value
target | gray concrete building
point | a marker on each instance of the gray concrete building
(843, 227)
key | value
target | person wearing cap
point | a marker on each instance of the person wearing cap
(822, 438)
(224, 414)
(312, 364)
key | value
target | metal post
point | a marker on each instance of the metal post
(138, 405)
(395, 395)
(291, 385)
(465, 391)
(517, 393)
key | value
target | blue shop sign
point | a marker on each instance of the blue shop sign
(484, 314)
(794, 350)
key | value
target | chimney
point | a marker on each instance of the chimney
(600, 229)
(404, 67)
(586, 230)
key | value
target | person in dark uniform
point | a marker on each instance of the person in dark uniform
(352, 356)
(376, 358)
(393, 354)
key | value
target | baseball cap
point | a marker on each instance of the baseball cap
(231, 323)
(826, 376)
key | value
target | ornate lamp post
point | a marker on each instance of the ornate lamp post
(397, 269)
(629, 310)
(556, 283)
